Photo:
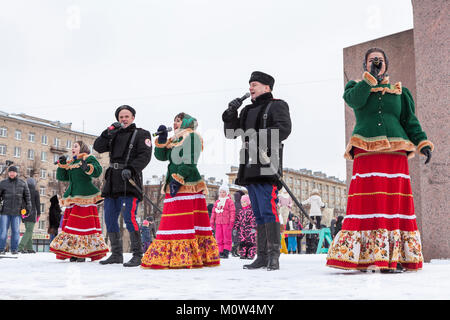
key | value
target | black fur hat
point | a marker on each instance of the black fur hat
(122, 108)
(262, 77)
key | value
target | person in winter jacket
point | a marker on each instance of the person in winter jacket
(13, 193)
(262, 126)
(292, 238)
(235, 236)
(30, 218)
(284, 207)
(222, 221)
(245, 225)
(54, 217)
(127, 160)
(147, 231)
(81, 235)
(316, 205)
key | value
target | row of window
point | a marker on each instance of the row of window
(32, 138)
(17, 153)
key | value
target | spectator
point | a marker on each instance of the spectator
(13, 191)
(54, 217)
(30, 218)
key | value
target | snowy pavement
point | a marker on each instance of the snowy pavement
(41, 276)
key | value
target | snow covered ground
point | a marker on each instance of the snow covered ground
(41, 276)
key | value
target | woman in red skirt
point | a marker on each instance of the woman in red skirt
(380, 229)
(184, 238)
(81, 235)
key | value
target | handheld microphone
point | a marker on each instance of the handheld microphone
(245, 96)
(163, 131)
(115, 125)
(57, 161)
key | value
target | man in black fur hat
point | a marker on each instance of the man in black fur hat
(263, 125)
(130, 150)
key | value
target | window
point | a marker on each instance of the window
(31, 154)
(17, 152)
(55, 158)
(42, 205)
(3, 132)
(69, 144)
(30, 171)
(18, 134)
(43, 156)
(31, 137)
(3, 149)
(57, 142)
(43, 174)
(42, 193)
(44, 140)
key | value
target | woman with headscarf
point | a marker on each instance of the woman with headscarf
(380, 229)
(184, 238)
(235, 234)
(222, 220)
(81, 235)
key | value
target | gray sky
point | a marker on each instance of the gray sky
(77, 61)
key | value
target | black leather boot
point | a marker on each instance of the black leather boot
(116, 249)
(136, 248)
(261, 249)
(273, 245)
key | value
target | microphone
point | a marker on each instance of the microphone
(245, 96)
(163, 131)
(115, 125)
(66, 156)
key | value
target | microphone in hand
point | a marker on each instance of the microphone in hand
(162, 133)
(116, 126)
(236, 103)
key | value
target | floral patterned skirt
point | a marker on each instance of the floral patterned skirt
(379, 229)
(184, 238)
(81, 235)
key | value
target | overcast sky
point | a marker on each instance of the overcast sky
(77, 61)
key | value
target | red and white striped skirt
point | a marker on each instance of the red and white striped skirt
(81, 235)
(379, 229)
(184, 238)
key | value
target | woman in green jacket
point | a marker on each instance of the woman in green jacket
(81, 235)
(184, 238)
(380, 229)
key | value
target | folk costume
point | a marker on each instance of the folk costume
(380, 229)
(81, 235)
(184, 238)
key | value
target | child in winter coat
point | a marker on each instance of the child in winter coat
(222, 221)
(246, 227)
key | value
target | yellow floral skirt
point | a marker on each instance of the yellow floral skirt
(184, 238)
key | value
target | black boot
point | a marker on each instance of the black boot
(261, 249)
(136, 248)
(116, 249)
(234, 252)
(273, 245)
(225, 254)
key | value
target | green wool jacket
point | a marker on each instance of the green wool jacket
(385, 117)
(182, 151)
(81, 190)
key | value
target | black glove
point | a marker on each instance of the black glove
(174, 186)
(62, 159)
(126, 174)
(114, 128)
(162, 137)
(427, 152)
(235, 104)
(84, 165)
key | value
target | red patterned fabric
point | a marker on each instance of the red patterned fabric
(184, 238)
(81, 234)
(380, 228)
